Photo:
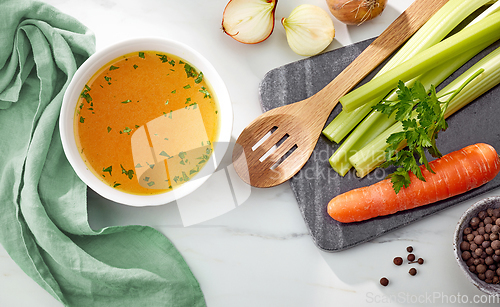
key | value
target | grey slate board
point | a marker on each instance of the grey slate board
(317, 183)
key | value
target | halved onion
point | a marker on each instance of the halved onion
(309, 29)
(249, 21)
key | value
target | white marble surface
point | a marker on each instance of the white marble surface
(260, 253)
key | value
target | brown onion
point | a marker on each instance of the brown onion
(355, 12)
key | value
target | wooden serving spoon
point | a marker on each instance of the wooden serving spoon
(297, 126)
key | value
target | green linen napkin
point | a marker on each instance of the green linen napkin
(43, 210)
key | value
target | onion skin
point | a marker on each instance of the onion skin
(355, 12)
(249, 21)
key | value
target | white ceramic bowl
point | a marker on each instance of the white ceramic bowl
(101, 58)
(482, 205)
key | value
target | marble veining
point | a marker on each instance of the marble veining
(265, 236)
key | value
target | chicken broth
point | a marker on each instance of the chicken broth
(146, 122)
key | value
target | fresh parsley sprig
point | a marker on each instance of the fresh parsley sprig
(422, 116)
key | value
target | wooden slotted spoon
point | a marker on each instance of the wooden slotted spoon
(297, 126)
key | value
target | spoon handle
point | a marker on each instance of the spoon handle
(380, 49)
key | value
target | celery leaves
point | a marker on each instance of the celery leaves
(422, 116)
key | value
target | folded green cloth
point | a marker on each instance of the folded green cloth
(43, 209)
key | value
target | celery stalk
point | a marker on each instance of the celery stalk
(484, 82)
(484, 31)
(438, 26)
(342, 124)
(376, 122)
(373, 154)
(492, 9)
(339, 161)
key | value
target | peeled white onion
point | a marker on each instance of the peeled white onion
(249, 21)
(309, 29)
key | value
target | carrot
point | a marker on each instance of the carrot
(454, 173)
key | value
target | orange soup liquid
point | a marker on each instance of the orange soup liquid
(146, 122)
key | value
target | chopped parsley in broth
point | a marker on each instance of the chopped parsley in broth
(146, 122)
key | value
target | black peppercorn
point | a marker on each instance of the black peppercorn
(481, 268)
(470, 262)
(481, 230)
(489, 260)
(495, 229)
(496, 212)
(466, 255)
(398, 261)
(384, 281)
(474, 222)
(489, 274)
(467, 230)
(413, 271)
(489, 211)
(478, 251)
(473, 247)
(490, 251)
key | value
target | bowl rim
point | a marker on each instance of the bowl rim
(103, 57)
(473, 210)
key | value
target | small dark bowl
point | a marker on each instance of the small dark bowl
(482, 205)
